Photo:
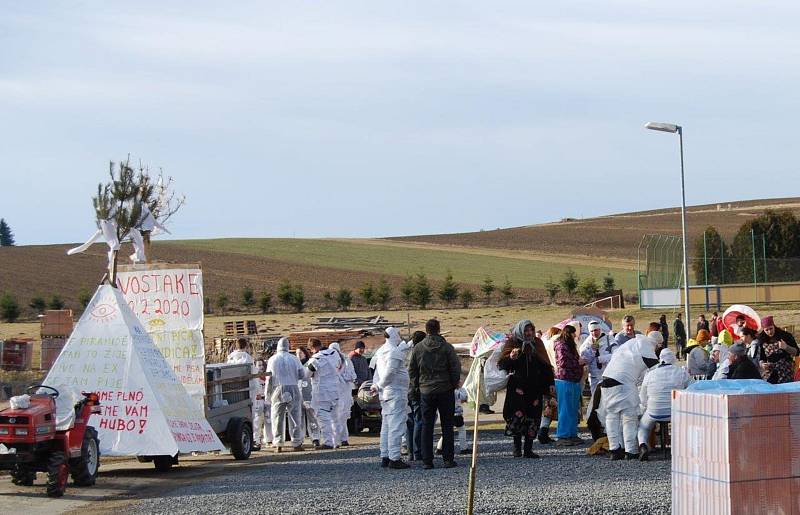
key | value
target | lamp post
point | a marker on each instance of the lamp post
(673, 128)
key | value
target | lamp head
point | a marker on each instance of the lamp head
(663, 127)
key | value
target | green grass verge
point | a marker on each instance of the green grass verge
(394, 260)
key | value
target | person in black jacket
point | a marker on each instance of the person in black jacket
(531, 376)
(679, 330)
(741, 367)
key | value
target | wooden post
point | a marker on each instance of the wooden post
(473, 467)
(112, 269)
(146, 239)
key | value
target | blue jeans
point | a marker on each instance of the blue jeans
(569, 398)
(414, 431)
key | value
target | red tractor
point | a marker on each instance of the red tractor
(42, 438)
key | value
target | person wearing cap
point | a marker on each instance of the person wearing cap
(596, 352)
(655, 396)
(360, 364)
(739, 365)
(779, 349)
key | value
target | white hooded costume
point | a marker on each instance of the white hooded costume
(620, 396)
(391, 381)
(324, 367)
(597, 354)
(284, 370)
(347, 378)
(655, 395)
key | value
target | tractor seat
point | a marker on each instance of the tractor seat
(65, 408)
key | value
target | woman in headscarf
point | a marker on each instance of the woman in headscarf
(530, 377)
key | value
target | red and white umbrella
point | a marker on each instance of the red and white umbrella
(752, 319)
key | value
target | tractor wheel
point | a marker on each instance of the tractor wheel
(164, 463)
(23, 476)
(57, 474)
(240, 437)
(84, 469)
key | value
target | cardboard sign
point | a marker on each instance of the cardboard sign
(169, 303)
(146, 410)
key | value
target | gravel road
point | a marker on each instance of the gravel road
(564, 480)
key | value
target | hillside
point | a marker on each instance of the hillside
(613, 236)
(528, 256)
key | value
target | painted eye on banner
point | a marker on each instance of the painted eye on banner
(103, 312)
(157, 322)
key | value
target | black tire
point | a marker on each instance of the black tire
(164, 463)
(57, 474)
(240, 437)
(84, 470)
(23, 476)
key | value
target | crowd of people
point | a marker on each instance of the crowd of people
(311, 392)
(630, 375)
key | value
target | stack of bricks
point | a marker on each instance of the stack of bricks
(736, 452)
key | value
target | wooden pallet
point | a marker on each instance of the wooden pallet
(240, 328)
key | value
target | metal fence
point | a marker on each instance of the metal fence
(660, 263)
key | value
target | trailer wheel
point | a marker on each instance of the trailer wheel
(355, 424)
(23, 476)
(84, 469)
(57, 474)
(240, 437)
(164, 463)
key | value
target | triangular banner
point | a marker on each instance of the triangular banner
(145, 408)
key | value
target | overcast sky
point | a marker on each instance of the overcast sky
(388, 118)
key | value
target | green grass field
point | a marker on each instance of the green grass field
(394, 259)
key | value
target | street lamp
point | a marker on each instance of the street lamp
(671, 127)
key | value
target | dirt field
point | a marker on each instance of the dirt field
(615, 236)
(528, 256)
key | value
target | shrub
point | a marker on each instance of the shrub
(9, 308)
(449, 290)
(466, 297)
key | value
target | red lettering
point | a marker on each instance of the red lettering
(179, 284)
(124, 288)
(146, 284)
(168, 284)
(194, 289)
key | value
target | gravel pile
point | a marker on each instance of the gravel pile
(565, 480)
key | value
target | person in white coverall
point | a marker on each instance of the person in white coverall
(309, 415)
(655, 396)
(324, 366)
(391, 383)
(596, 351)
(262, 425)
(284, 370)
(240, 356)
(620, 395)
(347, 378)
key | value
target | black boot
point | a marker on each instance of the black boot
(544, 436)
(644, 452)
(517, 446)
(617, 454)
(529, 448)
